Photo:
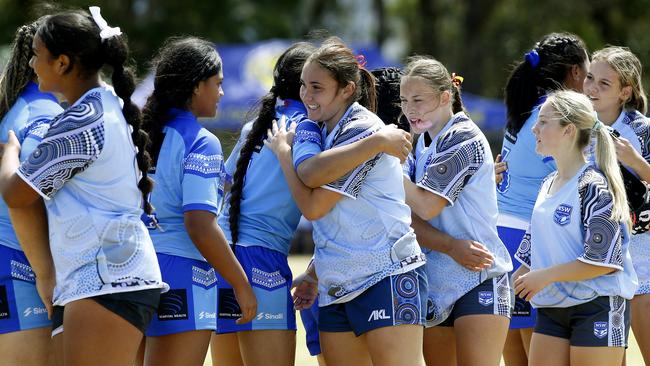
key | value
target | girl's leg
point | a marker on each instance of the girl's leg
(398, 345)
(526, 335)
(27, 347)
(344, 348)
(224, 349)
(96, 336)
(480, 339)
(597, 356)
(179, 349)
(57, 344)
(257, 345)
(640, 318)
(139, 357)
(548, 350)
(439, 346)
(515, 352)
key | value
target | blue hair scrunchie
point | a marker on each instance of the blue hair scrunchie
(533, 58)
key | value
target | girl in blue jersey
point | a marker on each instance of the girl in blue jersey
(260, 218)
(368, 263)
(614, 86)
(24, 325)
(189, 176)
(576, 267)
(89, 171)
(453, 173)
(558, 60)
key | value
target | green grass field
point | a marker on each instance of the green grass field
(298, 264)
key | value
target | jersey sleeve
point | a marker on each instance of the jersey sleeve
(307, 142)
(408, 167)
(603, 237)
(350, 184)
(203, 176)
(72, 143)
(231, 163)
(459, 154)
(641, 127)
(524, 250)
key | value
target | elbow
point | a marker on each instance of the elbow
(307, 176)
(427, 212)
(313, 214)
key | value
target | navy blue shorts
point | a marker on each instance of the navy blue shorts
(523, 314)
(395, 300)
(190, 304)
(602, 322)
(20, 306)
(493, 297)
(270, 276)
(310, 322)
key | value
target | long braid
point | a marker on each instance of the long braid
(17, 73)
(286, 85)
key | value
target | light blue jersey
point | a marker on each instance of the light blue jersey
(268, 214)
(367, 236)
(29, 118)
(526, 169)
(189, 176)
(85, 168)
(574, 224)
(458, 167)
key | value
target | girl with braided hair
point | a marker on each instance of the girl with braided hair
(614, 86)
(557, 61)
(24, 324)
(91, 170)
(188, 171)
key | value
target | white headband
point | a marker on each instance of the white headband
(105, 30)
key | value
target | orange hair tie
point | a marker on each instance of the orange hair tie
(456, 79)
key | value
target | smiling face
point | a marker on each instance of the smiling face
(45, 67)
(550, 136)
(206, 96)
(423, 106)
(603, 87)
(325, 99)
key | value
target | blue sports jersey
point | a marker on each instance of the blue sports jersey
(29, 118)
(526, 169)
(189, 175)
(367, 236)
(458, 167)
(268, 214)
(574, 223)
(85, 169)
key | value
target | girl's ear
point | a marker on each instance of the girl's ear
(348, 90)
(626, 94)
(62, 64)
(445, 97)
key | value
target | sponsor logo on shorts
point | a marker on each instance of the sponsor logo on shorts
(485, 298)
(173, 305)
(562, 215)
(34, 311)
(379, 314)
(227, 306)
(4, 304)
(522, 307)
(207, 315)
(600, 329)
(270, 316)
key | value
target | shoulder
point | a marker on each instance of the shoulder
(86, 113)
(593, 187)
(358, 123)
(639, 123)
(462, 130)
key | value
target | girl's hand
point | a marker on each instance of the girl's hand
(45, 287)
(499, 168)
(279, 137)
(471, 255)
(394, 141)
(305, 293)
(625, 152)
(529, 284)
(247, 303)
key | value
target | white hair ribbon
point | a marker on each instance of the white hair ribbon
(106, 31)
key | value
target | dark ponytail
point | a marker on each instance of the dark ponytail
(75, 34)
(457, 100)
(367, 92)
(544, 69)
(17, 73)
(286, 85)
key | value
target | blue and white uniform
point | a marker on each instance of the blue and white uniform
(268, 219)
(635, 127)
(458, 167)
(366, 238)
(85, 169)
(516, 196)
(572, 224)
(20, 306)
(189, 176)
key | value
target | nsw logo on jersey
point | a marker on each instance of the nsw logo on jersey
(486, 298)
(600, 329)
(562, 215)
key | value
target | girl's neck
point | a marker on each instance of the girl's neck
(331, 123)
(77, 87)
(609, 117)
(568, 163)
(440, 122)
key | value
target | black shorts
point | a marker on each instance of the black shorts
(601, 322)
(492, 297)
(136, 307)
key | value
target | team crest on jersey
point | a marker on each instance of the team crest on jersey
(562, 215)
(485, 298)
(600, 329)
